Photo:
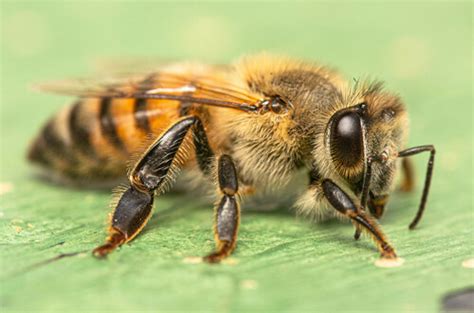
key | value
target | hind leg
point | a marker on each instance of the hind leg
(149, 175)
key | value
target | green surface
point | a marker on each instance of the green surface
(422, 50)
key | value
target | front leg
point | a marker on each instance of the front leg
(340, 201)
(149, 175)
(227, 212)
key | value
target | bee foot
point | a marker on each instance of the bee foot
(213, 258)
(114, 241)
(102, 251)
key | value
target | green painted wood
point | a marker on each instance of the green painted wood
(422, 50)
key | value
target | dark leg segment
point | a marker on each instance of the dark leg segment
(149, 174)
(429, 174)
(376, 204)
(227, 214)
(204, 154)
(344, 204)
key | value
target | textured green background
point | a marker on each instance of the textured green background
(422, 50)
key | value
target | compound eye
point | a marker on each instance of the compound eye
(346, 139)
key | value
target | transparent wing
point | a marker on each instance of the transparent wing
(202, 86)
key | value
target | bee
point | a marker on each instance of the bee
(247, 127)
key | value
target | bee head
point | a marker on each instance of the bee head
(372, 127)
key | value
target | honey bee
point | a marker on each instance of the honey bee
(247, 127)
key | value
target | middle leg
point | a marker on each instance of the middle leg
(227, 212)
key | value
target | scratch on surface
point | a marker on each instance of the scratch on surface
(48, 261)
(56, 258)
(56, 244)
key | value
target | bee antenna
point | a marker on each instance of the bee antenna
(365, 187)
(429, 173)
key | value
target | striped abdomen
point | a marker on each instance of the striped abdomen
(96, 137)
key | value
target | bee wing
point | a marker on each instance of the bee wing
(207, 88)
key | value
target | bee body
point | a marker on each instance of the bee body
(252, 126)
(95, 137)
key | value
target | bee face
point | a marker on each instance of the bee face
(386, 132)
(373, 129)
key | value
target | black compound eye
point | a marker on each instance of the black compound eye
(346, 139)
